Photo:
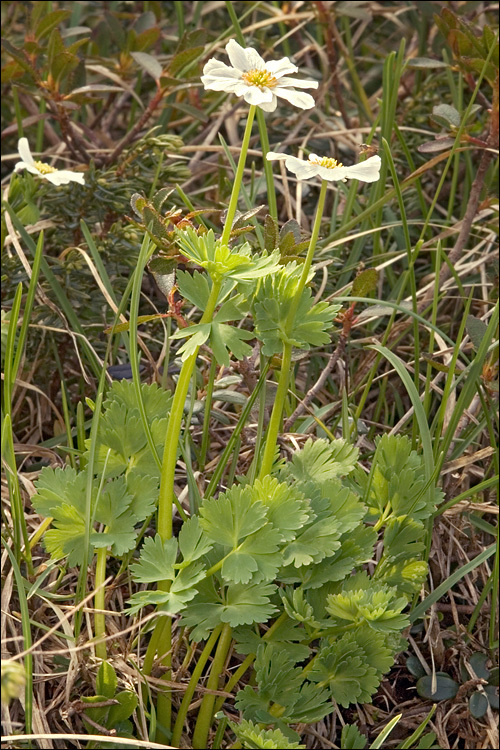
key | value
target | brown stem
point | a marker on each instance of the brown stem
(326, 21)
(146, 115)
(70, 136)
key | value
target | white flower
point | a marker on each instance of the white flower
(257, 81)
(329, 169)
(53, 175)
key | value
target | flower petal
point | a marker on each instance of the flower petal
(254, 60)
(217, 68)
(237, 55)
(22, 165)
(223, 84)
(297, 83)
(330, 174)
(64, 176)
(303, 170)
(24, 151)
(276, 156)
(297, 98)
(366, 171)
(281, 67)
(258, 96)
(219, 76)
(269, 106)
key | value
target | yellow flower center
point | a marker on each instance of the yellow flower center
(260, 78)
(44, 168)
(325, 161)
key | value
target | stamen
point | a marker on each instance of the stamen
(327, 162)
(259, 78)
(44, 168)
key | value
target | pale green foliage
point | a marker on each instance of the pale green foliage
(221, 261)
(122, 442)
(320, 460)
(295, 543)
(159, 562)
(287, 635)
(251, 737)
(397, 480)
(236, 604)
(287, 508)
(351, 666)
(224, 338)
(312, 322)
(298, 608)
(119, 506)
(281, 683)
(396, 489)
(120, 500)
(238, 523)
(194, 287)
(306, 531)
(351, 738)
(377, 606)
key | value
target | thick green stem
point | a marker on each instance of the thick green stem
(154, 646)
(205, 715)
(166, 495)
(193, 682)
(174, 428)
(275, 421)
(233, 202)
(206, 417)
(99, 602)
(228, 687)
(164, 646)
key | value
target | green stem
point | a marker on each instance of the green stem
(233, 202)
(153, 645)
(205, 714)
(206, 416)
(234, 680)
(164, 646)
(309, 258)
(167, 477)
(228, 687)
(193, 682)
(174, 427)
(99, 603)
(268, 167)
(166, 495)
(212, 486)
(275, 421)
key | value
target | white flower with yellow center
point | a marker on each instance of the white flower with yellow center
(259, 82)
(53, 175)
(329, 169)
